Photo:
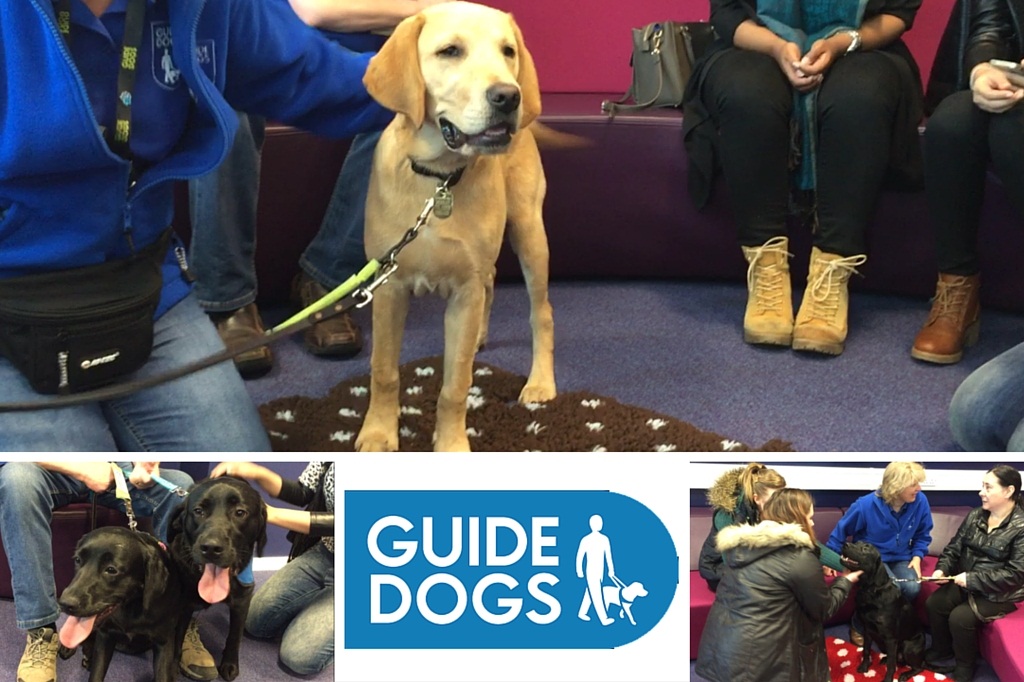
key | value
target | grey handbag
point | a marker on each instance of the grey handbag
(664, 53)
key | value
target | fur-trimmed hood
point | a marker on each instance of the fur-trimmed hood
(725, 492)
(743, 544)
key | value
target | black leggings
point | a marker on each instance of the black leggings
(751, 102)
(954, 625)
(960, 141)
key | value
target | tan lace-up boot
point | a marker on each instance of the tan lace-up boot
(821, 322)
(39, 661)
(953, 321)
(196, 662)
(769, 315)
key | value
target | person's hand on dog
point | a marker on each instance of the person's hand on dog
(143, 473)
(246, 470)
(256, 473)
(852, 576)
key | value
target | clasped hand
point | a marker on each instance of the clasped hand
(995, 90)
(806, 72)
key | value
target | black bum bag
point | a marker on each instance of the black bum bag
(79, 329)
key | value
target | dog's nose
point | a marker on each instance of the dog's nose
(503, 97)
(70, 605)
(211, 549)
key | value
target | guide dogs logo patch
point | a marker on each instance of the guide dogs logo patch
(503, 569)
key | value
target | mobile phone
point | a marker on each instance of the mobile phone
(1009, 67)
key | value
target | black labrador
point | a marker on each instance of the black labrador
(213, 537)
(885, 614)
(125, 593)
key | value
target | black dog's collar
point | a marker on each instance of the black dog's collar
(452, 178)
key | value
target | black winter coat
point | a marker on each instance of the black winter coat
(978, 30)
(766, 622)
(994, 561)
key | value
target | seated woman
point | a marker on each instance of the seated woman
(985, 565)
(897, 520)
(767, 619)
(854, 95)
(980, 124)
(738, 497)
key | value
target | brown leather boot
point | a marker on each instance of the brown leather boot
(821, 322)
(953, 322)
(769, 315)
(241, 327)
(338, 336)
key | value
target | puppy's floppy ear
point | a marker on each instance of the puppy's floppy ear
(155, 581)
(529, 86)
(393, 77)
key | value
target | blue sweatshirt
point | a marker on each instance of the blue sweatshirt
(65, 199)
(898, 537)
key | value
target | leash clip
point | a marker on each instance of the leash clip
(121, 493)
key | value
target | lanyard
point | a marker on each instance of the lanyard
(133, 25)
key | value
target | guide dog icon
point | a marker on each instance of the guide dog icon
(592, 558)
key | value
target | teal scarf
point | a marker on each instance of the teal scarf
(803, 22)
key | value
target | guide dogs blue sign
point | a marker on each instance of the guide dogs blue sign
(503, 569)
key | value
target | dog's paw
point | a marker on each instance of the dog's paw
(376, 440)
(451, 443)
(539, 392)
(228, 671)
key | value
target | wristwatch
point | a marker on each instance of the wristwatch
(854, 41)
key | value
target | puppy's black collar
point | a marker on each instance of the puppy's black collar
(452, 178)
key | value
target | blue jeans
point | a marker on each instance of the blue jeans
(206, 411)
(986, 413)
(223, 208)
(28, 496)
(297, 604)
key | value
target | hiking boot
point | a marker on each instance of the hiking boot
(953, 321)
(39, 661)
(196, 662)
(821, 322)
(239, 328)
(338, 336)
(769, 315)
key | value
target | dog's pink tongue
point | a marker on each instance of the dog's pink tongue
(215, 583)
(75, 630)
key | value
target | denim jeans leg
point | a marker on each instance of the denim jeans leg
(337, 251)
(223, 207)
(297, 603)
(28, 495)
(899, 570)
(208, 411)
(986, 413)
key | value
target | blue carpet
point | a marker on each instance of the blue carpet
(677, 348)
(258, 658)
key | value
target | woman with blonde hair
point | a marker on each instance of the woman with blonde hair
(896, 519)
(737, 497)
(772, 592)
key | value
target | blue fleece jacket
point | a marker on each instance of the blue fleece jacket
(898, 537)
(65, 199)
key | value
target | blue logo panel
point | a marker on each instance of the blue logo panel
(503, 569)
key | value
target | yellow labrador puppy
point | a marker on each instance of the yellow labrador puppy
(464, 89)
